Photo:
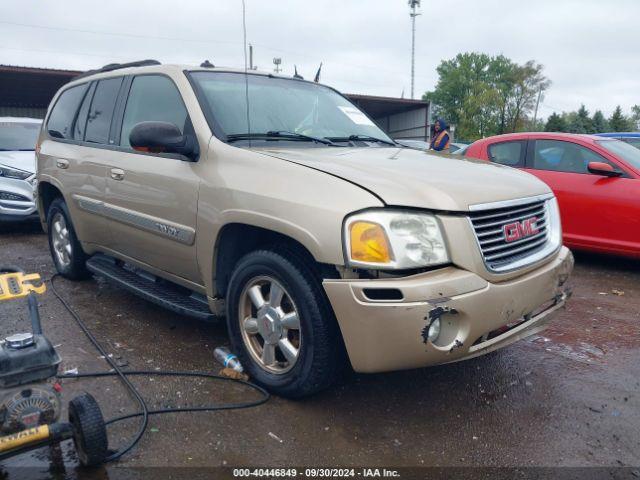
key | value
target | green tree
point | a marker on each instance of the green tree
(618, 122)
(599, 123)
(555, 123)
(486, 95)
(580, 121)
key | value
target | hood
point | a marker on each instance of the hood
(411, 178)
(21, 160)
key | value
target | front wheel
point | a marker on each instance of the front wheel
(281, 324)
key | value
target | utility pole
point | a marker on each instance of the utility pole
(413, 4)
(250, 57)
(535, 115)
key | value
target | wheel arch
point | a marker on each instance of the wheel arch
(47, 193)
(237, 239)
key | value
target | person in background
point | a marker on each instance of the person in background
(441, 137)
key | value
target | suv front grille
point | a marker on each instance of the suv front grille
(512, 233)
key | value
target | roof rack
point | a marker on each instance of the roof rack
(117, 66)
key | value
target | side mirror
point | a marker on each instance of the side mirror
(604, 169)
(162, 137)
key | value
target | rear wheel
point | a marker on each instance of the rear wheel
(281, 325)
(66, 251)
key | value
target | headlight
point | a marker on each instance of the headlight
(555, 227)
(9, 172)
(388, 239)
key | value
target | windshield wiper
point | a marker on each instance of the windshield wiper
(278, 134)
(363, 138)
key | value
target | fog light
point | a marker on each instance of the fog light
(434, 330)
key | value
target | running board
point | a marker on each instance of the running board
(147, 286)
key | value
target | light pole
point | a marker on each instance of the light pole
(413, 4)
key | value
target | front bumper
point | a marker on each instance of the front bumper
(23, 206)
(477, 316)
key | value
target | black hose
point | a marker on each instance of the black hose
(145, 412)
(10, 269)
(34, 314)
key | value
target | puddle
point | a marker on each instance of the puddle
(581, 352)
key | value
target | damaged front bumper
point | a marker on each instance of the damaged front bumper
(476, 316)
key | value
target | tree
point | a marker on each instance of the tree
(486, 95)
(635, 117)
(579, 122)
(618, 122)
(555, 123)
(599, 123)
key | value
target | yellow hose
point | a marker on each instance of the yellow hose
(23, 438)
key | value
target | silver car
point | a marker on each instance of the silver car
(18, 138)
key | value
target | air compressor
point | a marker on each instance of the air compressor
(30, 396)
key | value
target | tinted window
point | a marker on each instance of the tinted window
(563, 156)
(101, 110)
(18, 136)
(81, 120)
(153, 98)
(507, 153)
(64, 111)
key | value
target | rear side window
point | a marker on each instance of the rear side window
(153, 98)
(81, 120)
(507, 153)
(60, 121)
(101, 110)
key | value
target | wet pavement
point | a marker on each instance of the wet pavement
(567, 397)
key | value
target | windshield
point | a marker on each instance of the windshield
(281, 105)
(18, 136)
(623, 150)
(634, 142)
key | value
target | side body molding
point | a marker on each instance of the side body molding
(161, 227)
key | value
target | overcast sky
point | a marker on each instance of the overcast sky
(589, 47)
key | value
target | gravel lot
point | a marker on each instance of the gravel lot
(569, 397)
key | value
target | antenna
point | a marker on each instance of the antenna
(277, 62)
(413, 4)
(246, 75)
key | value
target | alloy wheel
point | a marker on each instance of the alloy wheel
(61, 240)
(270, 325)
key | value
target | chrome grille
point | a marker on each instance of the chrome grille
(489, 226)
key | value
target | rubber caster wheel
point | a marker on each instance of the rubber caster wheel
(89, 430)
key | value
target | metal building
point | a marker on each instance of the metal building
(26, 92)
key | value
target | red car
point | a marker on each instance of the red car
(596, 181)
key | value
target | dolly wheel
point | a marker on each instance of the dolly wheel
(89, 430)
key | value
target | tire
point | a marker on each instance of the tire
(72, 267)
(320, 358)
(89, 430)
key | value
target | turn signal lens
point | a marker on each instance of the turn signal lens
(369, 243)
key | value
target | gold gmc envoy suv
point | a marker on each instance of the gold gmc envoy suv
(279, 204)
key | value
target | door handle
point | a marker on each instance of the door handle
(117, 174)
(64, 164)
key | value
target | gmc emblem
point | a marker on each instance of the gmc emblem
(518, 230)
